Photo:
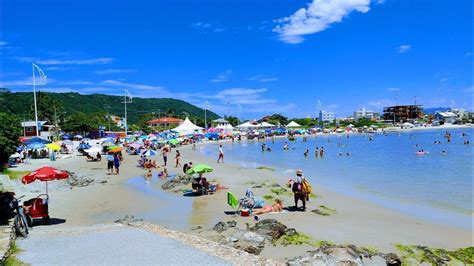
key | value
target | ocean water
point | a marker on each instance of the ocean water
(385, 170)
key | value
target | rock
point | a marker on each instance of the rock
(231, 223)
(344, 256)
(270, 228)
(250, 249)
(291, 232)
(275, 185)
(197, 227)
(257, 186)
(220, 227)
(392, 259)
(179, 180)
(232, 239)
(130, 220)
(103, 182)
(79, 180)
(253, 238)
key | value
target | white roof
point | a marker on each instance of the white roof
(187, 127)
(225, 127)
(265, 124)
(247, 124)
(32, 123)
(293, 124)
(220, 120)
(447, 114)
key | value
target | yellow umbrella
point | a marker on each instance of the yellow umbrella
(53, 146)
(115, 149)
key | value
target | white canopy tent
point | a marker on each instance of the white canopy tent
(187, 127)
(246, 126)
(293, 124)
(265, 125)
(225, 127)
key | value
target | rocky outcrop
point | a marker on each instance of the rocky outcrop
(177, 181)
(79, 180)
(270, 228)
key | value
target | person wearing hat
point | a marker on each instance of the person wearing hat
(297, 187)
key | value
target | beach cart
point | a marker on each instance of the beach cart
(37, 209)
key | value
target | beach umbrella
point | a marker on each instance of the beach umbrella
(15, 155)
(53, 146)
(83, 146)
(45, 174)
(149, 153)
(116, 149)
(199, 169)
(35, 145)
(93, 151)
(107, 144)
(112, 147)
(134, 145)
(173, 141)
(78, 136)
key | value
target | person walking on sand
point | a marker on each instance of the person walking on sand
(221, 155)
(297, 188)
(148, 176)
(165, 155)
(117, 164)
(177, 158)
(110, 163)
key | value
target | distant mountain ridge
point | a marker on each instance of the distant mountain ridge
(20, 103)
(433, 110)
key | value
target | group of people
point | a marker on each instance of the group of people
(113, 163)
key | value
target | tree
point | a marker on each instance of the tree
(49, 109)
(277, 119)
(234, 121)
(10, 132)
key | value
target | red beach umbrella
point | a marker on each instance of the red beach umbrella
(45, 174)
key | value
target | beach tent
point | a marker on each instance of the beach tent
(187, 127)
(265, 125)
(246, 126)
(225, 127)
(293, 124)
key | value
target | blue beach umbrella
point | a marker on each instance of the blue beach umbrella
(149, 153)
(84, 146)
(35, 145)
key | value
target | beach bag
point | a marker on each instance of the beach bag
(306, 187)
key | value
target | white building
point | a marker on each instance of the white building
(326, 116)
(446, 117)
(363, 113)
(461, 113)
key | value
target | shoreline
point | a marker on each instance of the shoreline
(356, 221)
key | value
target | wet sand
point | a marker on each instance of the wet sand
(355, 221)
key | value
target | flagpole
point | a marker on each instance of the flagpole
(34, 96)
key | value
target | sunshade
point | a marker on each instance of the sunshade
(45, 174)
(150, 153)
(37, 139)
(53, 146)
(106, 144)
(15, 155)
(117, 149)
(112, 147)
(35, 145)
(199, 169)
(134, 145)
(173, 141)
(93, 151)
(83, 146)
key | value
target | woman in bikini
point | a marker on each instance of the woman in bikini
(276, 207)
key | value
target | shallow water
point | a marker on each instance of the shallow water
(385, 170)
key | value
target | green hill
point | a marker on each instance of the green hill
(21, 103)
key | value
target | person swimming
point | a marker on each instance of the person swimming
(443, 152)
(285, 146)
(306, 153)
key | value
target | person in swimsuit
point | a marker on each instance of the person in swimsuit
(276, 207)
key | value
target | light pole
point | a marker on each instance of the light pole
(43, 77)
(205, 114)
(125, 101)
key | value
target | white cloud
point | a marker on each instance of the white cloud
(393, 89)
(404, 48)
(318, 16)
(468, 54)
(380, 103)
(114, 71)
(131, 85)
(3, 43)
(263, 78)
(205, 26)
(25, 82)
(443, 80)
(90, 61)
(222, 77)
(379, 2)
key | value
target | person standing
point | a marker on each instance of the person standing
(110, 163)
(221, 155)
(177, 158)
(165, 155)
(117, 164)
(297, 188)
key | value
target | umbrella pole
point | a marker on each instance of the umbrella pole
(46, 187)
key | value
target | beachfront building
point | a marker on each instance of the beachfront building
(326, 116)
(46, 130)
(187, 128)
(402, 113)
(461, 113)
(446, 117)
(223, 125)
(165, 122)
(364, 114)
(118, 121)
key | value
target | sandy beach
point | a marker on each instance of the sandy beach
(355, 221)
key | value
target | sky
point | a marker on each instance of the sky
(246, 58)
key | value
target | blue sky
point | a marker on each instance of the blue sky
(247, 57)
